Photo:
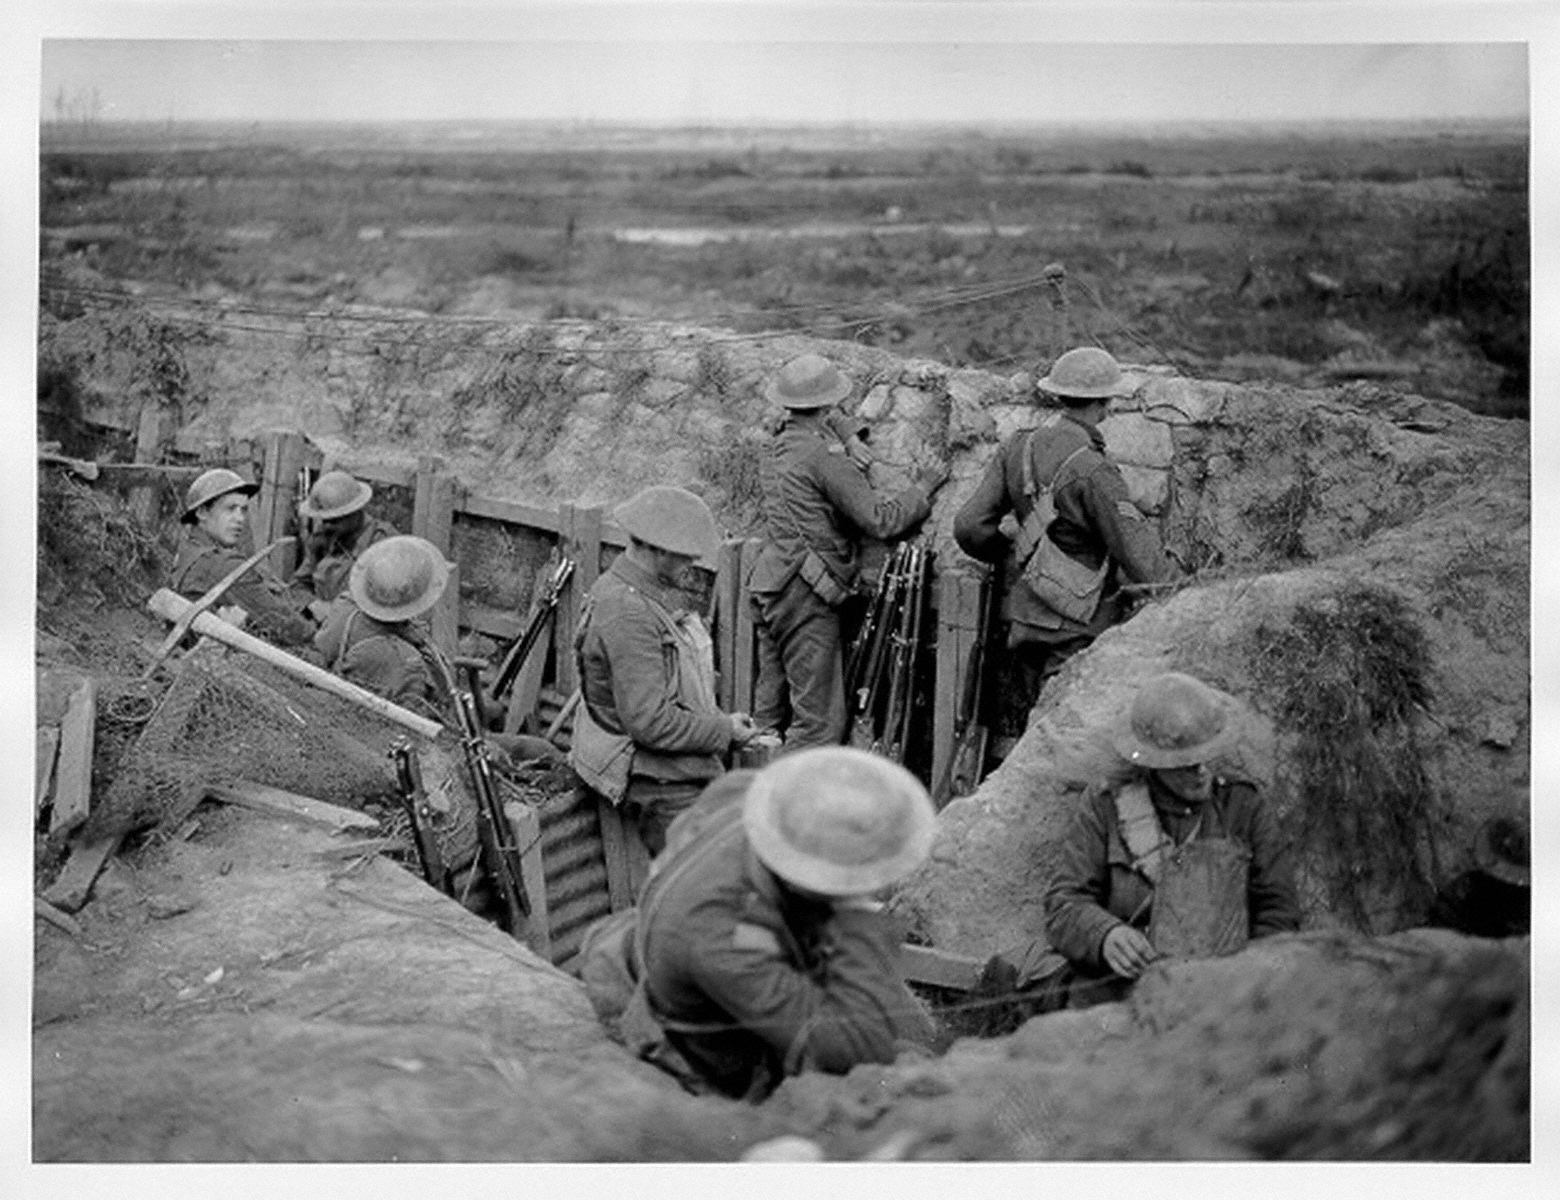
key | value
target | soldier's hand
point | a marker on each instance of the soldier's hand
(1127, 952)
(856, 450)
(233, 615)
(932, 477)
(318, 609)
(743, 730)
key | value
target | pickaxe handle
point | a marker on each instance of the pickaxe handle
(218, 590)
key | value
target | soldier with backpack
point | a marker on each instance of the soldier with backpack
(1078, 533)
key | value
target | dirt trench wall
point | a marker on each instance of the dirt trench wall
(1321, 493)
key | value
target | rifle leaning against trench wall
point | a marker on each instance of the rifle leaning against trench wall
(546, 606)
(901, 694)
(495, 835)
(864, 684)
(420, 813)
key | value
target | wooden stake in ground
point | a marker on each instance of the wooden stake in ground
(73, 773)
(170, 606)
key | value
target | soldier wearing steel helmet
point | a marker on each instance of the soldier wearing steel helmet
(338, 502)
(758, 948)
(1171, 828)
(648, 734)
(374, 634)
(1102, 537)
(817, 506)
(216, 510)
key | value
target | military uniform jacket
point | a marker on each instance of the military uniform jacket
(629, 679)
(750, 981)
(1095, 518)
(1095, 887)
(376, 655)
(815, 497)
(202, 563)
(327, 562)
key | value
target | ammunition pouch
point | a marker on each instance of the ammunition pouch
(818, 577)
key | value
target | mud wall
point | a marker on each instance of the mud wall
(1295, 508)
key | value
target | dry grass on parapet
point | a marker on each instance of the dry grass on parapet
(1349, 672)
(89, 545)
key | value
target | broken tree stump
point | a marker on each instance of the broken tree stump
(73, 770)
(278, 803)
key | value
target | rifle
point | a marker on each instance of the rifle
(861, 647)
(901, 698)
(918, 617)
(414, 799)
(520, 649)
(892, 716)
(969, 737)
(869, 687)
(495, 835)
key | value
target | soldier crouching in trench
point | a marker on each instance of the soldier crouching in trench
(1175, 861)
(216, 509)
(339, 503)
(757, 950)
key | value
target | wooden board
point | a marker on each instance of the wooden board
(958, 623)
(744, 656)
(528, 684)
(580, 538)
(73, 770)
(433, 506)
(924, 964)
(70, 891)
(47, 748)
(728, 591)
(143, 500)
(614, 841)
(527, 826)
(284, 457)
(274, 801)
(444, 620)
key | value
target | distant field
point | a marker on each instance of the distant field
(1396, 256)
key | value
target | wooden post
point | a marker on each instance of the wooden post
(528, 684)
(728, 594)
(579, 537)
(744, 664)
(285, 453)
(527, 828)
(145, 501)
(615, 835)
(73, 774)
(958, 624)
(433, 505)
(444, 620)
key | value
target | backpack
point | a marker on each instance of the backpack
(1059, 581)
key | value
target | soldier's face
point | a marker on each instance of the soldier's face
(1192, 784)
(224, 518)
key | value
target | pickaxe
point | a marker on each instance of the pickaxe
(182, 625)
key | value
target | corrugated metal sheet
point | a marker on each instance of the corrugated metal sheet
(574, 864)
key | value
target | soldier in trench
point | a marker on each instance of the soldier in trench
(1073, 532)
(816, 506)
(216, 510)
(1176, 860)
(758, 949)
(648, 734)
(338, 502)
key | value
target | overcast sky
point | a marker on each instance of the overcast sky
(820, 80)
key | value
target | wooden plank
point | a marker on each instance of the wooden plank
(387, 473)
(614, 842)
(494, 622)
(70, 891)
(528, 684)
(512, 512)
(925, 964)
(958, 622)
(433, 506)
(527, 828)
(728, 591)
(143, 500)
(42, 908)
(285, 452)
(73, 771)
(275, 802)
(47, 749)
(444, 620)
(580, 539)
(744, 650)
